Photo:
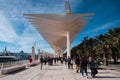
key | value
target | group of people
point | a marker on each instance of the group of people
(82, 64)
(50, 60)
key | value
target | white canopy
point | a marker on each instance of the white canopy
(54, 27)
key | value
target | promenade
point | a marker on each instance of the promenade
(58, 72)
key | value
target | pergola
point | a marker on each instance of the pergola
(59, 29)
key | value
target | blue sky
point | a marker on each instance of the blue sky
(18, 34)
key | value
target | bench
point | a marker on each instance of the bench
(12, 69)
(33, 64)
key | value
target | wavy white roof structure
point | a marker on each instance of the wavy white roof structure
(54, 27)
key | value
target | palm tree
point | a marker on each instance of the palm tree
(114, 38)
(104, 47)
(74, 51)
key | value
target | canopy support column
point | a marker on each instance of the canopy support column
(61, 54)
(68, 45)
(57, 53)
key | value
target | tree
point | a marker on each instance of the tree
(114, 38)
(102, 46)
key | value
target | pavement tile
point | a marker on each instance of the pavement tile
(58, 72)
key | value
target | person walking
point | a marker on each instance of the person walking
(55, 59)
(69, 62)
(41, 62)
(77, 62)
(84, 63)
(92, 67)
(72, 62)
(30, 59)
(61, 60)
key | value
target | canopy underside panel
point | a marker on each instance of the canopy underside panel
(54, 27)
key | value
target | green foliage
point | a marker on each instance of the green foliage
(108, 44)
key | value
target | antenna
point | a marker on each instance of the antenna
(67, 6)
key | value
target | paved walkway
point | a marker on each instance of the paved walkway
(58, 72)
(115, 67)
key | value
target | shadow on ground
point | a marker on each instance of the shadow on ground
(107, 77)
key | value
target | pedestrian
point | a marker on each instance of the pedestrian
(41, 62)
(72, 63)
(69, 62)
(77, 63)
(45, 61)
(84, 63)
(65, 61)
(30, 59)
(55, 59)
(61, 60)
(92, 67)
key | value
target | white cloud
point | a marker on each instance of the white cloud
(102, 27)
(27, 39)
(31, 38)
(23, 42)
(7, 33)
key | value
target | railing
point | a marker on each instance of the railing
(10, 64)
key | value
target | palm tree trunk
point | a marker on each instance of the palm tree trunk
(115, 58)
(105, 59)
